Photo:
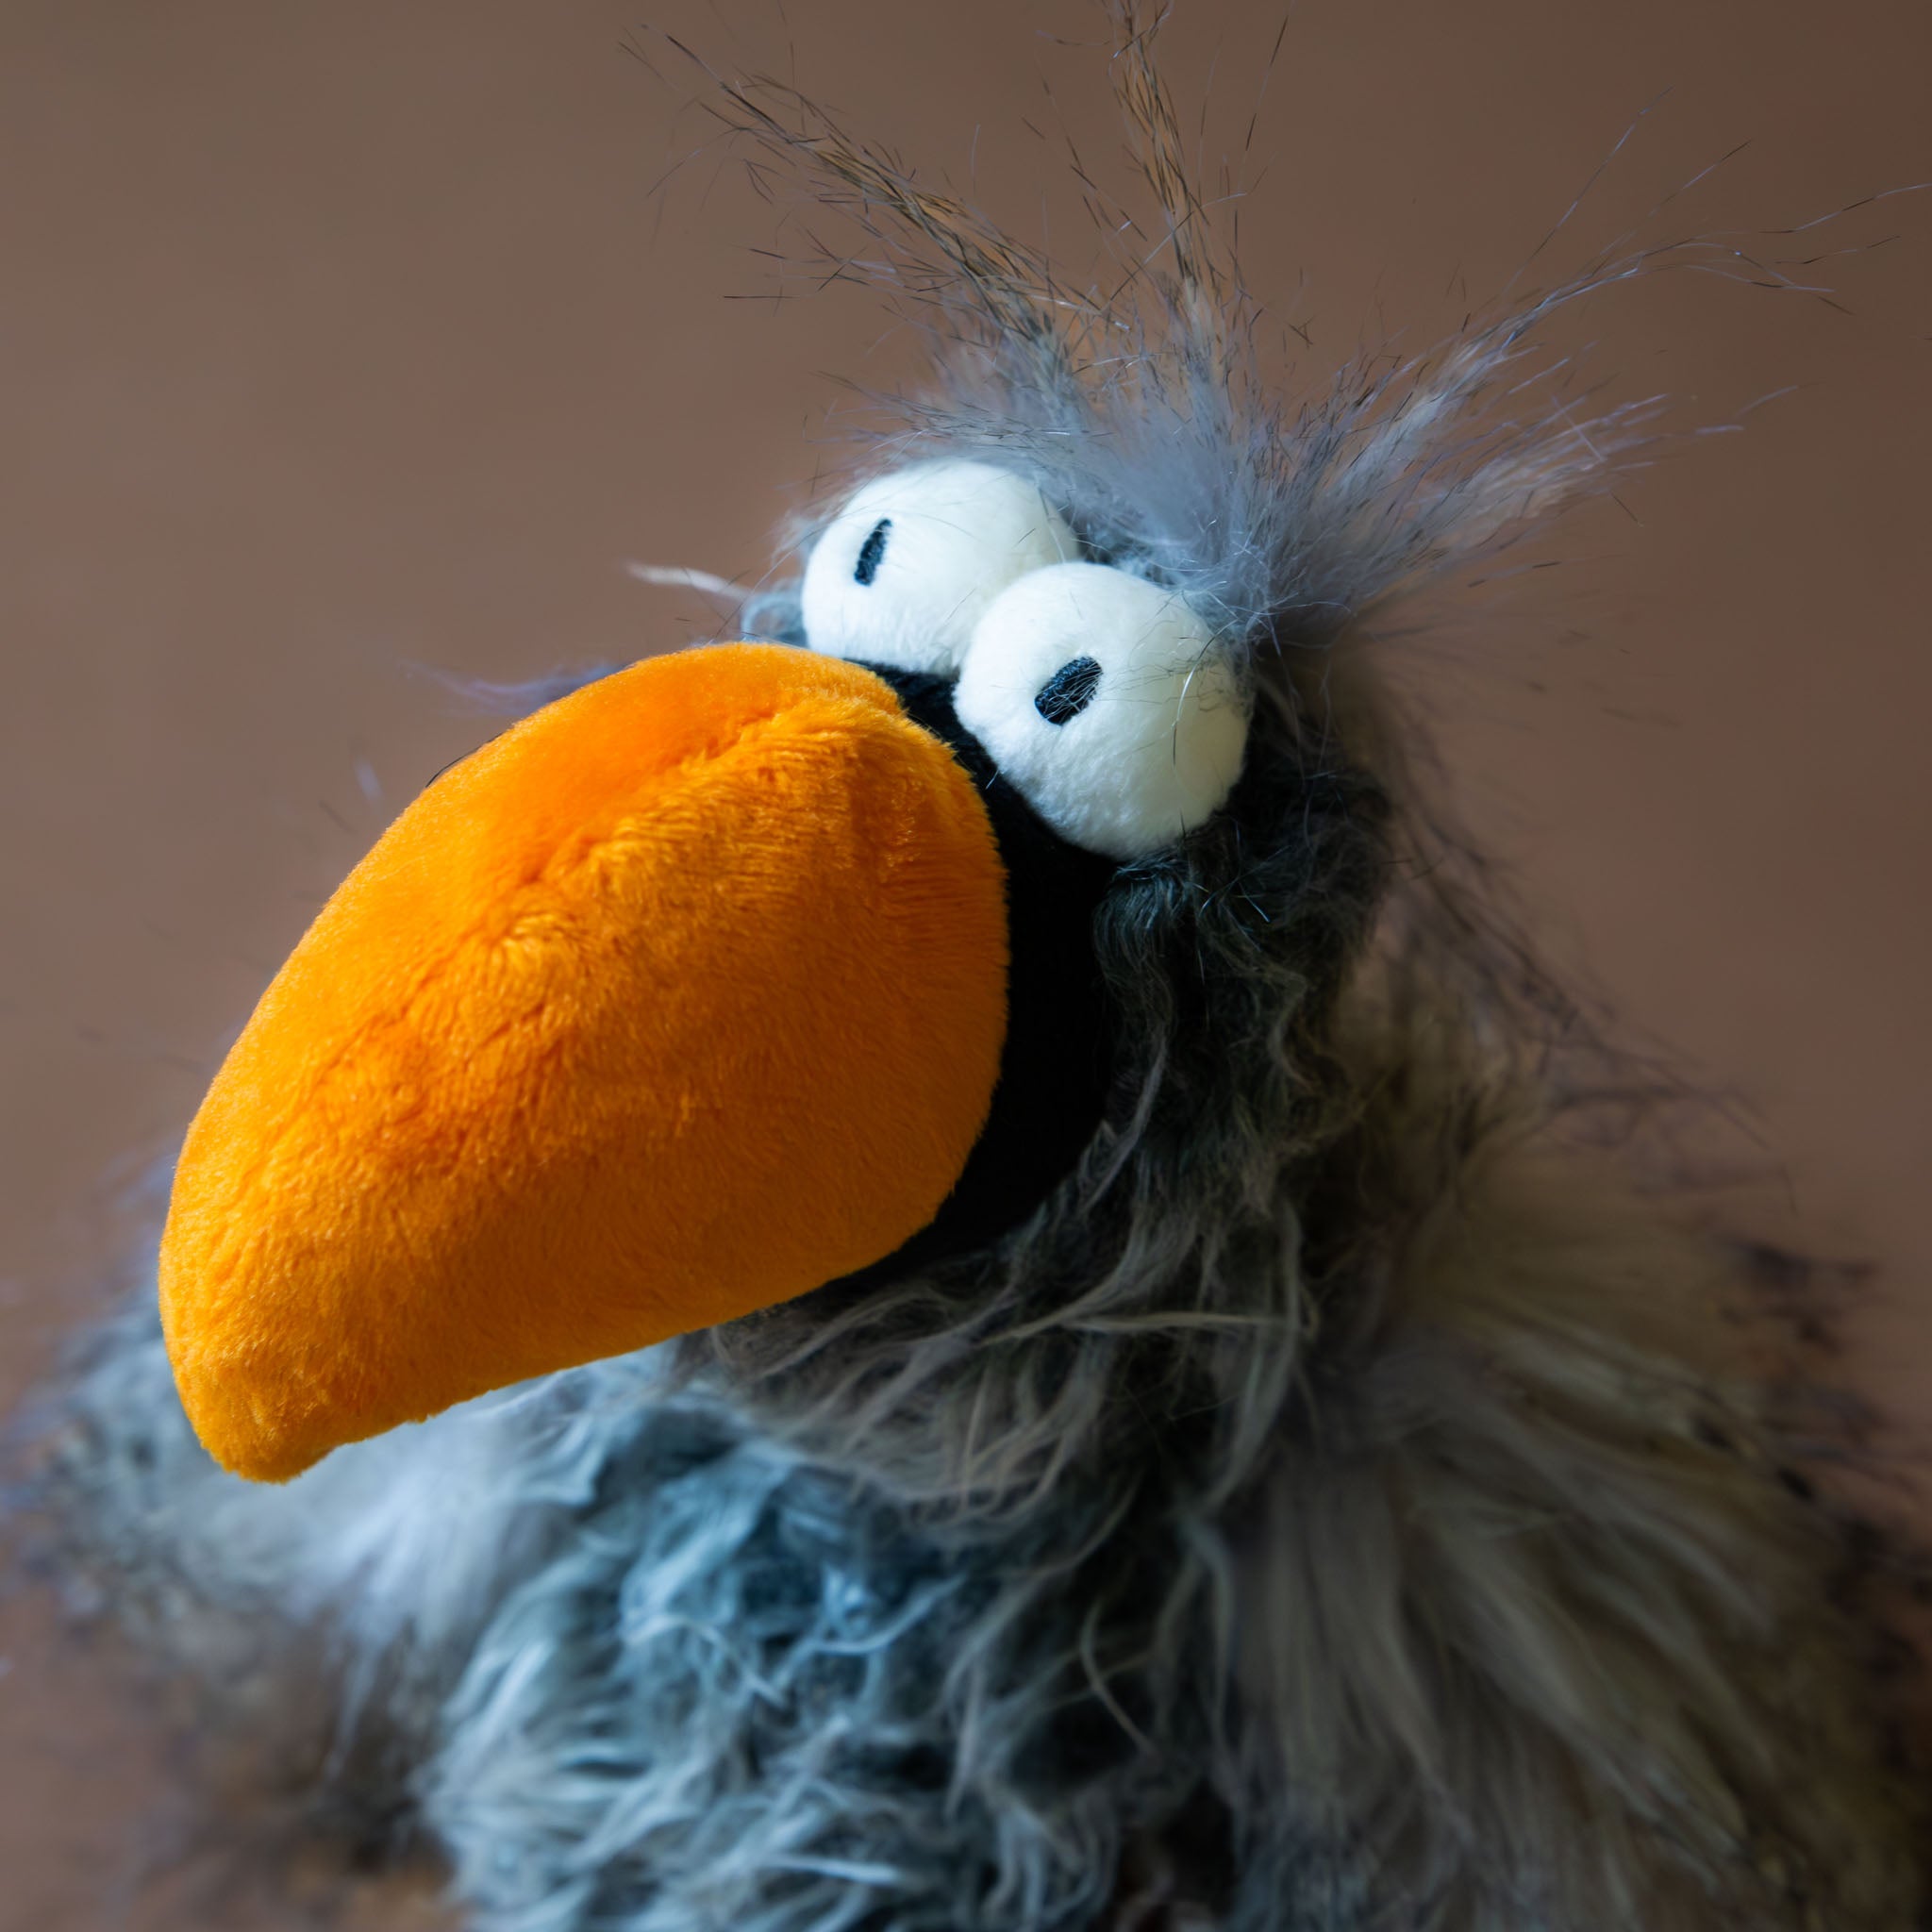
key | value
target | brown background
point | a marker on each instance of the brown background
(341, 338)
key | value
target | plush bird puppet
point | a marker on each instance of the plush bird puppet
(934, 1273)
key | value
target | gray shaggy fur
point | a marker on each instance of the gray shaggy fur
(1347, 1506)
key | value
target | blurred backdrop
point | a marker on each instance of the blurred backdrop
(344, 346)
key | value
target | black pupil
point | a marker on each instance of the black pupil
(871, 551)
(1069, 691)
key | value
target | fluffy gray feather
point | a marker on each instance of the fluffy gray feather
(1347, 1506)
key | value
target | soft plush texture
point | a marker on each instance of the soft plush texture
(1347, 1503)
(684, 995)
(1057, 1066)
(902, 573)
(1155, 744)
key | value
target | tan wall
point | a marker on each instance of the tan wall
(338, 339)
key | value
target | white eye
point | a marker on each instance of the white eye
(1103, 698)
(904, 571)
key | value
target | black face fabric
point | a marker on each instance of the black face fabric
(1058, 1060)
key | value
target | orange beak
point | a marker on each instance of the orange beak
(681, 998)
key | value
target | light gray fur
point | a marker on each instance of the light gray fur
(1345, 1507)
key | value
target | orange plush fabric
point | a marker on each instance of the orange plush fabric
(682, 997)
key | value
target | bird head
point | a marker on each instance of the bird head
(747, 970)
(952, 960)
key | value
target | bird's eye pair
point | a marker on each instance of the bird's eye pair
(1102, 697)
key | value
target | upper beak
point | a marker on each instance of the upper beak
(683, 997)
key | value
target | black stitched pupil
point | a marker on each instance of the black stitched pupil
(1069, 691)
(871, 551)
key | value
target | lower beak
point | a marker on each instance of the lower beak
(681, 998)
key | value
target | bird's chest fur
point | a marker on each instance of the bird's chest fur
(751, 1689)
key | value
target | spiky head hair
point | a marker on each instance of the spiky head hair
(1143, 410)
